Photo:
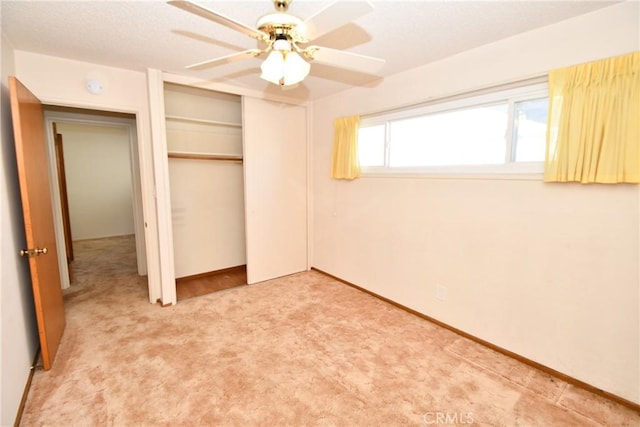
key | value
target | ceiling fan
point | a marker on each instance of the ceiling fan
(285, 38)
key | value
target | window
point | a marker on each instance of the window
(497, 132)
(530, 129)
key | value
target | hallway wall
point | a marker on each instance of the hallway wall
(99, 180)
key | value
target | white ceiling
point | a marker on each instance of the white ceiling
(152, 34)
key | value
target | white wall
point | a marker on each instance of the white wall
(99, 179)
(17, 317)
(59, 81)
(548, 271)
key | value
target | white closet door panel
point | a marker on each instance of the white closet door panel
(275, 168)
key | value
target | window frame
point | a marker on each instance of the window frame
(510, 96)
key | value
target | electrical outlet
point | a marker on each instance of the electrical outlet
(441, 292)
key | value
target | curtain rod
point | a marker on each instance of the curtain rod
(535, 79)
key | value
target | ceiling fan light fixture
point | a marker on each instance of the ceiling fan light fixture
(272, 67)
(284, 68)
(280, 35)
(295, 68)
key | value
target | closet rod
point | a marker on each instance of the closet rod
(197, 156)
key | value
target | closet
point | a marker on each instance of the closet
(206, 179)
(232, 179)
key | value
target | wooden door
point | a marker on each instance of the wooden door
(275, 168)
(64, 199)
(33, 175)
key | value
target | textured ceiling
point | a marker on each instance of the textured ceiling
(152, 34)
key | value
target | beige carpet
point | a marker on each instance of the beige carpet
(303, 350)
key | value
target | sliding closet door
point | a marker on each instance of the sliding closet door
(275, 168)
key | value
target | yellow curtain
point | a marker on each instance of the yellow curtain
(344, 162)
(593, 129)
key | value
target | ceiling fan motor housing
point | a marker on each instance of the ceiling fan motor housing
(281, 24)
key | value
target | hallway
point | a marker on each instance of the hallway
(99, 264)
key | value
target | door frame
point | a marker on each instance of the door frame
(158, 155)
(97, 119)
(156, 80)
(147, 183)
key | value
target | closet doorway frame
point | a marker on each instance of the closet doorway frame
(155, 81)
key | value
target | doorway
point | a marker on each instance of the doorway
(102, 190)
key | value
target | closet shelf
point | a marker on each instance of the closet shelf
(204, 156)
(203, 121)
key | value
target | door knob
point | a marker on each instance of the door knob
(33, 252)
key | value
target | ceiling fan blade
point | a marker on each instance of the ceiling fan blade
(346, 60)
(225, 59)
(219, 18)
(334, 15)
